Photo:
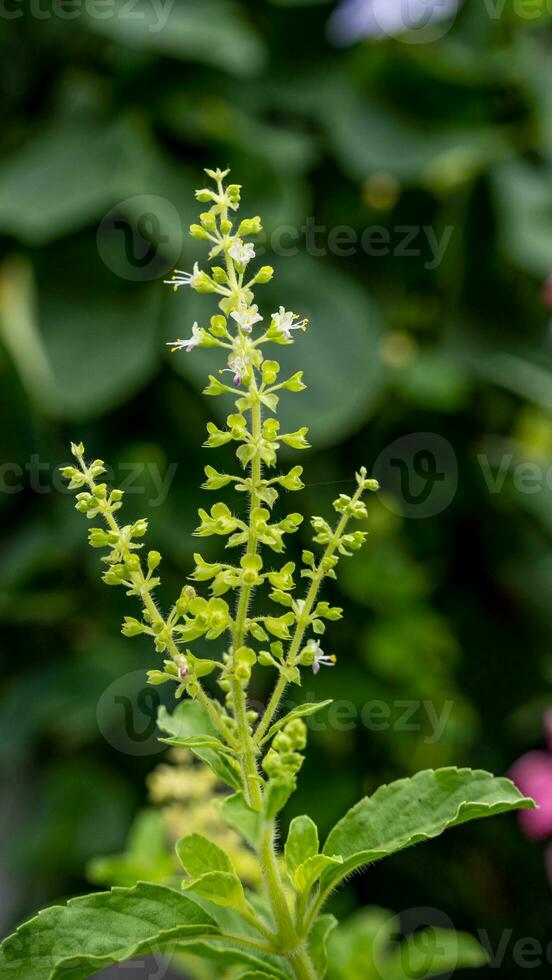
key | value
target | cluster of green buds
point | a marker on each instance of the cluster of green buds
(286, 636)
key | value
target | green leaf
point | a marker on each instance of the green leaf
(198, 855)
(256, 975)
(196, 742)
(318, 942)
(301, 711)
(189, 725)
(67, 176)
(147, 856)
(187, 720)
(432, 953)
(221, 887)
(413, 810)
(67, 374)
(237, 813)
(364, 947)
(308, 873)
(523, 196)
(91, 933)
(301, 843)
(226, 955)
(213, 32)
(278, 792)
(370, 136)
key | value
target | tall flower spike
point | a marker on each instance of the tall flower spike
(258, 758)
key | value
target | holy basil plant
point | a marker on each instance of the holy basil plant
(281, 929)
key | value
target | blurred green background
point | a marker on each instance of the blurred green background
(413, 142)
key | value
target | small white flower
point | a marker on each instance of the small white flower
(188, 345)
(284, 322)
(238, 366)
(180, 278)
(320, 658)
(242, 252)
(246, 317)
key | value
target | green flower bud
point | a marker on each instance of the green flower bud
(269, 370)
(196, 231)
(233, 193)
(250, 226)
(296, 732)
(157, 677)
(98, 538)
(154, 559)
(208, 221)
(294, 383)
(296, 439)
(77, 449)
(265, 659)
(243, 673)
(203, 195)
(282, 743)
(139, 528)
(218, 323)
(272, 764)
(132, 627)
(219, 275)
(264, 274)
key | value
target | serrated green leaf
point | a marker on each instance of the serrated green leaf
(413, 810)
(237, 813)
(301, 711)
(301, 843)
(221, 887)
(96, 931)
(198, 855)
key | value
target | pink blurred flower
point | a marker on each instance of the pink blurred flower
(532, 774)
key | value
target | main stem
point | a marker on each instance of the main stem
(298, 956)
